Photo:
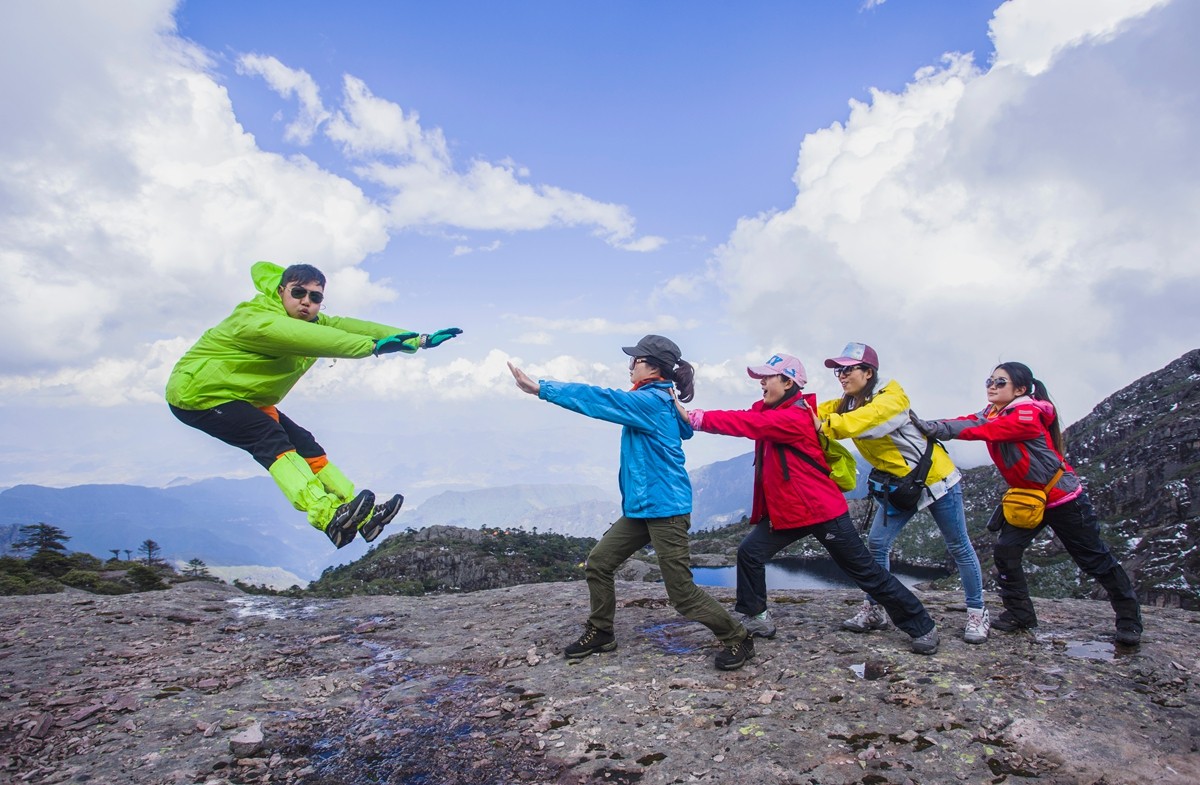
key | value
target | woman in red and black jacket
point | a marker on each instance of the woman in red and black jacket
(1020, 427)
(794, 497)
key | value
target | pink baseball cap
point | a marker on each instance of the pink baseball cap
(855, 354)
(780, 365)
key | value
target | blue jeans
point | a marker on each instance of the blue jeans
(845, 547)
(952, 520)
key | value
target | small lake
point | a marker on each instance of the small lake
(798, 573)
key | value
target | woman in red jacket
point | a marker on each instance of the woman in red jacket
(794, 497)
(1020, 427)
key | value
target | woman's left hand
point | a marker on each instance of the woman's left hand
(523, 381)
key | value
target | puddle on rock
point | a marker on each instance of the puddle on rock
(664, 636)
(1091, 650)
(272, 607)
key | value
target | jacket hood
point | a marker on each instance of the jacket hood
(266, 277)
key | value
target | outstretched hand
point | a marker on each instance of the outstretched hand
(440, 337)
(523, 381)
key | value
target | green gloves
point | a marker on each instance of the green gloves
(410, 342)
(400, 342)
(439, 338)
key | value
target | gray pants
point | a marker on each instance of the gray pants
(670, 540)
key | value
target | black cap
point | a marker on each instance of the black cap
(663, 350)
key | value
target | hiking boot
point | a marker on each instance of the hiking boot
(761, 625)
(927, 643)
(979, 622)
(735, 655)
(344, 526)
(593, 641)
(380, 516)
(1128, 637)
(1006, 622)
(869, 617)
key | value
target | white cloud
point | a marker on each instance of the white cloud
(289, 82)
(601, 326)
(980, 216)
(1028, 35)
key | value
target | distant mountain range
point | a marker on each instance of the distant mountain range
(247, 528)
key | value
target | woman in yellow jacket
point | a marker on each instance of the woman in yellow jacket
(874, 412)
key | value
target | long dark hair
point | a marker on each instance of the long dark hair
(1019, 375)
(849, 401)
(683, 375)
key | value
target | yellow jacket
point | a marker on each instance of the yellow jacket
(887, 439)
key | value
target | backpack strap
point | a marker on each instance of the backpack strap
(1054, 480)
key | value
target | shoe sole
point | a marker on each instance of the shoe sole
(344, 534)
(756, 634)
(597, 650)
(975, 640)
(374, 527)
(733, 666)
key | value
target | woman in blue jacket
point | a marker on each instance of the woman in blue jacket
(656, 495)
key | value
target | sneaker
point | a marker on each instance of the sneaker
(979, 622)
(869, 617)
(735, 655)
(1006, 622)
(593, 641)
(380, 516)
(344, 526)
(927, 643)
(1128, 637)
(761, 625)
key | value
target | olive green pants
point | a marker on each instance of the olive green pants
(670, 540)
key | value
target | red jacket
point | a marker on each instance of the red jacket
(1019, 441)
(788, 490)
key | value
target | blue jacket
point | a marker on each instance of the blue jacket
(654, 483)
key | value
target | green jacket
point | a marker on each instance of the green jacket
(259, 352)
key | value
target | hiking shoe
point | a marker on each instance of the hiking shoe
(380, 516)
(1128, 637)
(869, 617)
(1006, 622)
(927, 643)
(761, 625)
(735, 655)
(344, 526)
(593, 641)
(979, 622)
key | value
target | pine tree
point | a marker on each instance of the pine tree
(150, 549)
(196, 569)
(40, 537)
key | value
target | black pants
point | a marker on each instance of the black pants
(249, 428)
(1076, 526)
(846, 548)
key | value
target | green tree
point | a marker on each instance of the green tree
(116, 552)
(40, 537)
(196, 569)
(145, 578)
(150, 549)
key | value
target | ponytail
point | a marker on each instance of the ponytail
(1020, 376)
(683, 375)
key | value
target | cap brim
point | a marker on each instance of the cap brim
(841, 362)
(632, 351)
(761, 371)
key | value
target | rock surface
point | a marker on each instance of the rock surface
(472, 688)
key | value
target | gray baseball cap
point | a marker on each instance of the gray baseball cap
(663, 350)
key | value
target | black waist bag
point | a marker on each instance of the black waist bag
(903, 493)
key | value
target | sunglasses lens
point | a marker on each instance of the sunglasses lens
(299, 292)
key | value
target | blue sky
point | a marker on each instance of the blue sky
(954, 183)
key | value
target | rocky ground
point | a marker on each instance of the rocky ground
(204, 684)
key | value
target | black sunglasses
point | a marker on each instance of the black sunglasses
(633, 362)
(846, 370)
(997, 383)
(299, 292)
